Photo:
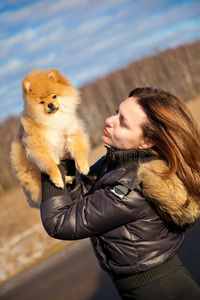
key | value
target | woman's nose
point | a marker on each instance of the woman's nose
(109, 121)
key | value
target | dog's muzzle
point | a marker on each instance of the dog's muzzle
(51, 108)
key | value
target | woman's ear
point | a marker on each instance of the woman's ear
(147, 143)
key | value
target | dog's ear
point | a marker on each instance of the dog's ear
(56, 76)
(52, 74)
(26, 85)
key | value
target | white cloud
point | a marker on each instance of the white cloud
(16, 43)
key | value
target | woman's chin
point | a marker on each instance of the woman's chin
(106, 140)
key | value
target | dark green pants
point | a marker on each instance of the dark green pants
(177, 285)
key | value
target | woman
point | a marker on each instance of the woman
(137, 201)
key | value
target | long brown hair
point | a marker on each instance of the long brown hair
(175, 133)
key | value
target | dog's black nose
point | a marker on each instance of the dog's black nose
(51, 105)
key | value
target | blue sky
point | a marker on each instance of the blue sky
(85, 39)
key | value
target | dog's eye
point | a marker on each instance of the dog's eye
(41, 102)
(54, 97)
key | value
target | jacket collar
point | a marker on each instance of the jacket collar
(167, 195)
(124, 158)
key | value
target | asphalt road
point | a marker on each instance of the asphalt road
(74, 274)
(71, 274)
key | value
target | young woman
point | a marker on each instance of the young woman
(137, 201)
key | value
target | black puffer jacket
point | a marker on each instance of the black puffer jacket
(130, 232)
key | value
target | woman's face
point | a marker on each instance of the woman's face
(123, 129)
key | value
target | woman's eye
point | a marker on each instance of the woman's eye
(122, 122)
(41, 102)
(121, 118)
(54, 97)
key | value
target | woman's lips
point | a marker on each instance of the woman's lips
(106, 131)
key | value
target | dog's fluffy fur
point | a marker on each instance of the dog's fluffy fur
(49, 130)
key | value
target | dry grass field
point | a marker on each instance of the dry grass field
(23, 240)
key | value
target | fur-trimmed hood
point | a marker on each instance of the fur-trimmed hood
(168, 196)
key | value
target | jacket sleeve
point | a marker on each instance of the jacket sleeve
(92, 214)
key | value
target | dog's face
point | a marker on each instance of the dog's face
(47, 92)
(47, 105)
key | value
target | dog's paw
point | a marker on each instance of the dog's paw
(69, 179)
(58, 182)
(83, 168)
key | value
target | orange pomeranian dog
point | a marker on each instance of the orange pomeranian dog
(49, 131)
